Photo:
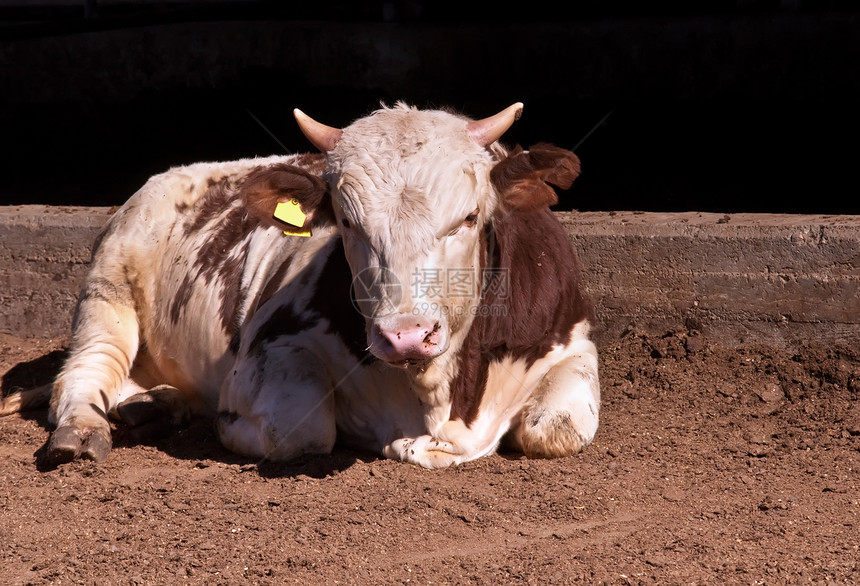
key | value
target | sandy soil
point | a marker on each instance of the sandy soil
(712, 466)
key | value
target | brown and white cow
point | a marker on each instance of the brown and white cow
(434, 309)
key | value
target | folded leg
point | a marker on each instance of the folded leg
(562, 415)
(278, 406)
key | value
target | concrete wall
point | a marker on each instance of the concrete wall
(44, 255)
(738, 278)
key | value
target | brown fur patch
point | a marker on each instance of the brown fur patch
(544, 295)
(522, 179)
(468, 386)
(315, 163)
(218, 257)
(232, 294)
(218, 196)
(249, 202)
(473, 365)
(538, 307)
(265, 187)
(542, 299)
(181, 298)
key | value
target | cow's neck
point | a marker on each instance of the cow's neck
(433, 382)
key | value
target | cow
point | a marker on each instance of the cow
(406, 290)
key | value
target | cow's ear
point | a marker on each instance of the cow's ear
(523, 177)
(264, 188)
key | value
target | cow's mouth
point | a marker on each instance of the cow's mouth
(411, 363)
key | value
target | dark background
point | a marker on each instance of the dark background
(726, 106)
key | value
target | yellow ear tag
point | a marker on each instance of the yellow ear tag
(291, 213)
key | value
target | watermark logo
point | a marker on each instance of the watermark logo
(437, 283)
(378, 290)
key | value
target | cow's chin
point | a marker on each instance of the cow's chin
(405, 361)
(410, 364)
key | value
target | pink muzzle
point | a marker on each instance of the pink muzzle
(409, 338)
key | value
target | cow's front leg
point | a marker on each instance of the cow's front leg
(453, 443)
(278, 405)
(104, 345)
(562, 415)
(425, 451)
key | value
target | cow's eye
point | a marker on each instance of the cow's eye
(468, 222)
(345, 223)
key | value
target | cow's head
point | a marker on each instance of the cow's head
(414, 194)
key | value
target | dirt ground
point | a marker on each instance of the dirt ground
(712, 465)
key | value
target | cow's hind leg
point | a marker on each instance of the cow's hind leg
(561, 417)
(278, 406)
(104, 344)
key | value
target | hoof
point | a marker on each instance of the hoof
(139, 409)
(97, 446)
(65, 445)
(68, 443)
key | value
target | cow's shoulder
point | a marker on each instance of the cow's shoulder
(532, 302)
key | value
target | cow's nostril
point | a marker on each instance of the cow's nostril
(428, 339)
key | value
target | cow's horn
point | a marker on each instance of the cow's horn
(325, 138)
(489, 130)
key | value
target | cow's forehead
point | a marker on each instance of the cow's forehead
(401, 131)
(411, 162)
